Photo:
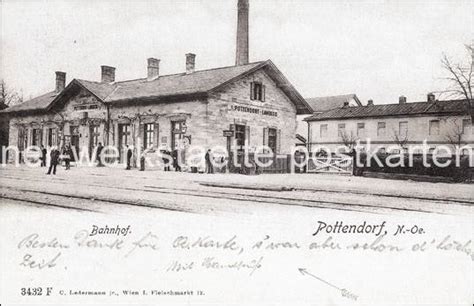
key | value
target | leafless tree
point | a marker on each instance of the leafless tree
(401, 139)
(460, 78)
(349, 140)
(454, 134)
(8, 95)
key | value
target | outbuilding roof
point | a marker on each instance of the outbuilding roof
(388, 110)
(323, 104)
(169, 86)
(40, 102)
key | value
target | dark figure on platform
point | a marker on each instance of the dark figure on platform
(99, 152)
(166, 159)
(129, 158)
(67, 152)
(43, 156)
(175, 156)
(209, 159)
(142, 159)
(54, 160)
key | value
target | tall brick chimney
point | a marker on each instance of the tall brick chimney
(153, 68)
(402, 100)
(108, 74)
(60, 81)
(242, 50)
(190, 62)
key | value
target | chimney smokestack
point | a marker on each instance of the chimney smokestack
(346, 104)
(402, 100)
(60, 81)
(370, 102)
(431, 97)
(242, 50)
(108, 74)
(153, 68)
(190, 62)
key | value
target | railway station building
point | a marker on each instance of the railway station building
(247, 104)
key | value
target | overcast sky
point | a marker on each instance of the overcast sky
(376, 49)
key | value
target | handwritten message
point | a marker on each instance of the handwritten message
(244, 254)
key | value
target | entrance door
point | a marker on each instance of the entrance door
(240, 137)
(177, 133)
(93, 138)
(240, 145)
(124, 137)
(74, 141)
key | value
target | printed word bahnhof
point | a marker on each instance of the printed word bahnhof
(253, 104)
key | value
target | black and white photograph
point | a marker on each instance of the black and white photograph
(236, 152)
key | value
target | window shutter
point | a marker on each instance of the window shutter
(41, 140)
(54, 137)
(30, 137)
(278, 141)
(265, 136)
(232, 128)
(232, 139)
(141, 134)
(156, 141)
(247, 135)
(116, 134)
(263, 93)
(20, 138)
(252, 86)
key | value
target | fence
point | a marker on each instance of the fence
(328, 164)
(279, 163)
(418, 165)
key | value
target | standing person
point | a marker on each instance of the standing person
(166, 159)
(71, 155)
(99, 152)
(54, 159)
(43, 156)
(142, 160)
(176, 165)
(209, 158)
(67, 156)
(129, 157)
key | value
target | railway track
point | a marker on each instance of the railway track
(354, 192)
(252, 189)
(219, 193)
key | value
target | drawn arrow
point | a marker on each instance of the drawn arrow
(344, 292)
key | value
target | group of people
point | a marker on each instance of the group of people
(174, 155)
(55, 158)
(166, 162)
(66, 155)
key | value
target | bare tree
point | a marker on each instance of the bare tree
(349, 140)
(8, 95)
(454, 134)
(401, 139)
(460, 78)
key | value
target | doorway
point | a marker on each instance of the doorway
(124, 138)
(74, 142)
(240, 137)
(177, 133)
(94, 135)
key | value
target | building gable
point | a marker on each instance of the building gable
(239, 92)
(81, 101)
